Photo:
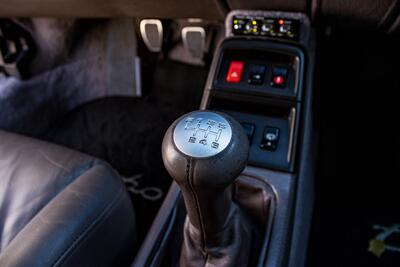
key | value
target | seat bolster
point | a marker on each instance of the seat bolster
(90, 223)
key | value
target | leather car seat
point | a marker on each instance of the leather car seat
(59, 207)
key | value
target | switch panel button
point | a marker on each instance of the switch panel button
(256, 75)
(270, 138)
(279, 77)
(235, 72)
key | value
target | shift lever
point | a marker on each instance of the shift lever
(205, 152)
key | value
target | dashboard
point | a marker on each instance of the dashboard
(381, 15)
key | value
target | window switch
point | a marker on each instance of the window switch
(249, 129)
(256, 75)
(270, 138)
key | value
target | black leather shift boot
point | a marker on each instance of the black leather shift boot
(228, 248)
(246, 230)
(245, 237)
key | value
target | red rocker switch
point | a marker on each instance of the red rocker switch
(235, 72)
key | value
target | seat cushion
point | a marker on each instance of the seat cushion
(59, 207)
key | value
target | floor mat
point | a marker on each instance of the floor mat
(99, 62)
(127, 133)
(357, 184)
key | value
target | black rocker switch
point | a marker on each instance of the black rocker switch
(270, 138)
(256, 74)
(279, 77)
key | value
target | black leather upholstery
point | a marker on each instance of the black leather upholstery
(59, 207)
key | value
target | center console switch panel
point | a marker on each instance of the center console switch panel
(265, 26)
(289, 27)
(259, 83)
(271, 130)
(260, 68)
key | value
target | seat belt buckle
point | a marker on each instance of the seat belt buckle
(16, 49)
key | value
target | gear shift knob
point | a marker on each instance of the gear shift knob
(205, 152)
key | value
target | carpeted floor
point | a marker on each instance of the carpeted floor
(77, 61)
(127, 132)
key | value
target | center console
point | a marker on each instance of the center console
(261, 77)
(265, 98)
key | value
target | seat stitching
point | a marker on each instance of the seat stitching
(89, 227)
(73, 173)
